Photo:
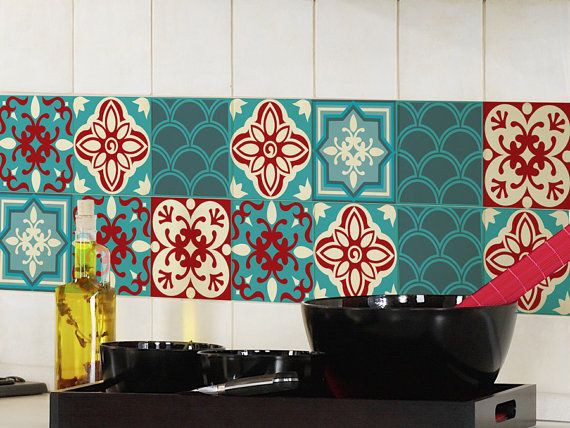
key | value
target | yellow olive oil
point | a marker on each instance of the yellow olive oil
(85, 318)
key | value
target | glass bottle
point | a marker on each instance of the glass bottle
(85, 307)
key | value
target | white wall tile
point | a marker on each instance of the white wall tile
(441, 49)
(36, 46)
(355, 49)
(134, 318)
(112, 48)
(269, 326)
(206, 321)
(539, 353)
(192, 48)
(27, 336)
(527, 50)
(273, 48)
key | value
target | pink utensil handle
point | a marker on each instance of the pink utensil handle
(524, 275)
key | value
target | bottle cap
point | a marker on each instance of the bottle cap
(85, 207)
(85, 219)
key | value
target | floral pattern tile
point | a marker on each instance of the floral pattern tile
(190, 147)
(191, 248)
(36, 142)
(440, 153)
(355, 249)
(354, 148)
(527, 155)
(272, 251)
(271, 149)
(112, 146)
(123, 226)
(440, 250)
(34, 241)
(510, 234)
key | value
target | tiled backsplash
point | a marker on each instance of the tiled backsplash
(282, 200)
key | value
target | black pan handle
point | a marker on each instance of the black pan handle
(254, 385)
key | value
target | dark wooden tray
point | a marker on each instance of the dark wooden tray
(86, 407)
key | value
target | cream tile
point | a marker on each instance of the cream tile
(527, 50)
(112, 47)
(134, 318)
(36, 46)
(441, 49)
(27, 336)
(268, 326)
(355, 49)
(273, 48)
(539, 353)
(198, 320)
(192, 48)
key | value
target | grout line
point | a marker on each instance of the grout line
(484, 47)
(397, 49)
(231, 48)
(314, 49)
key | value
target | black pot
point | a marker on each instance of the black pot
(409, 347)
(160, 367)
(221, 366)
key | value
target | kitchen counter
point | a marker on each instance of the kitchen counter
(33, 412)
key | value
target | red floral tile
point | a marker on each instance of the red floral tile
(526, 155)
(190, 248)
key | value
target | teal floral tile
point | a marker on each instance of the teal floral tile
(355, 249)
(354, 149)
(112, 145)
(440, 250)
(35, 236)
(272, 247)
(440, 155)
(190, 147)
(271, 149)
(36, 144)
(510, 234)
(123, 226)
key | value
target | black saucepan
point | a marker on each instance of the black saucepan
(160, 367)
(224, 365)
(399, 346)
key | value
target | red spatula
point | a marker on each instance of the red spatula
(513, 283)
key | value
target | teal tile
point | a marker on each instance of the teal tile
(440, 156)
(271, 149)
(190, 147)
(355, 249)
(440, 250)
(112, 146)
(354, 149)
(36, 144)
(510, 234)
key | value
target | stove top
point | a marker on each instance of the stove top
(508, 406)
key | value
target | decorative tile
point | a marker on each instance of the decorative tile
(440, 250)
(440, 153)
(191, 248)
(123, 226)
(354, 151)
(510, 235)
(271, 149)
(34, 241)
(355, 249)
(112, 145)
(527, 155)
(272, 248)
(36, 144)
(190, 145)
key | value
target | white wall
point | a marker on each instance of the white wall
(378, 49)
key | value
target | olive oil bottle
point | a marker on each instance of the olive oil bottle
(85, 307)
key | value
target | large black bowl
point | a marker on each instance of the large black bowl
(224, 365)
(405, 346)
(157, 366)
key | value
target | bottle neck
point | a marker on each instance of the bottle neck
(85, 254)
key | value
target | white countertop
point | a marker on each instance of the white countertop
(33, 412)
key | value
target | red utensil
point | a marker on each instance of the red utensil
(513, 283)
